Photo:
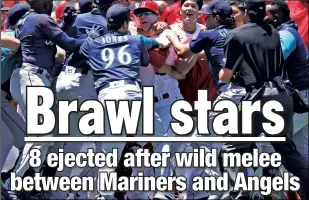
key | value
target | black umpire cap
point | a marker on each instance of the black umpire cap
(16, 12)
(217, 7)
(118, 14)
(255, 5)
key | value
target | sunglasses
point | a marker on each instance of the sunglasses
(144, 13)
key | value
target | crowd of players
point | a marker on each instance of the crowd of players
(176, 48)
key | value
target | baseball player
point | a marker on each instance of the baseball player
(159, 74)
(117, 78)
(77, 83)
(39, 35)
(13, 127)
(219, 23)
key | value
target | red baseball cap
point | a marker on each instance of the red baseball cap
(147, 6)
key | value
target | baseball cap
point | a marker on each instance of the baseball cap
(145, 6)
(104, 2)
(118, 13)
(255, 5)
(3, 8)
(221, 8)
(16, 12)
(84, 2)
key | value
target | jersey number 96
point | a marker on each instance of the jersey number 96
(109, 55)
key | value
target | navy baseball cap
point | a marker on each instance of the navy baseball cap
(3, 8)
(16, 12)
(218, 7)
(118, 13)
(104, 2)
(84, 2)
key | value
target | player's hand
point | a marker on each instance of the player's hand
(68, 14)
(159, 27)
(95, 32)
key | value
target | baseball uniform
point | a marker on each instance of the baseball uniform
(117, 77)
(212, 42)
(76, 83)
(39, 35)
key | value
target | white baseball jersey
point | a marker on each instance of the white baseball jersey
(182, 34)
(162, 83)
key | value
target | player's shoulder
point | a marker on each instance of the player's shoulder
(136, 39)
(43, 19)
(45, 16)
(81, 17)
(204, 34)
(244, 29)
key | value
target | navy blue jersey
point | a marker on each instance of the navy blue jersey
(36, 32)
(296, 55)
(212, 42)
(85, 22)
(115, 56)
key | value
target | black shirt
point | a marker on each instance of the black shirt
(253, 52)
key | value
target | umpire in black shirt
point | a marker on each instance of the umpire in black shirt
(253, 52)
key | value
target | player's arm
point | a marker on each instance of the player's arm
(190, 52)
(149, 43)
(170, 71)
(79, 58)
(232, 58)
(157, 57)
(144, 55)
(52, 31)
(10, 42)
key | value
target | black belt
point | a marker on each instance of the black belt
(160, 74)
(77, 70)
(268, 84)
(126, 82)
(39, 71)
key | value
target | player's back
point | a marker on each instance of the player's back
(84, 22)
(113, 57)
(33, 31)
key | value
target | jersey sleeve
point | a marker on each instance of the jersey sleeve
(199, 42)
(144, 55)
(48, 26)
(232, 57)
(288, 43)
(148, 42)
(84, 49)
(158, 57)
(79, 57)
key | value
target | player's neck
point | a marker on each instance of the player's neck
(188, 27)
